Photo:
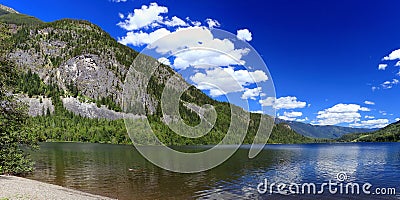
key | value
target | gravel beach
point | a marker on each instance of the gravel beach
(12, 187)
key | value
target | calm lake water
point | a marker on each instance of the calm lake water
(103, 169)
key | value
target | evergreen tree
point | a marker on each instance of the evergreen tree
(13, 160)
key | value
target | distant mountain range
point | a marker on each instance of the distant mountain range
(317, 131)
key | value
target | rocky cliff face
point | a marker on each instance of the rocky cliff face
(91, 110)
(70, 52)
(45, 51)
(38, 106)
(90, 75)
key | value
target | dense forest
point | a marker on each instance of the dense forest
(63, 125)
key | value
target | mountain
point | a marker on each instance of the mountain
(284, 134)
(318, 131)
(9, 15)
(71, 73)
(390, 133)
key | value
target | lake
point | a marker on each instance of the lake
(104, 169)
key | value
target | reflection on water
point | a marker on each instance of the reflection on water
(344, 159)
(104, 169)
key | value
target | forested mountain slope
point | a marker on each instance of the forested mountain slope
(76, 59)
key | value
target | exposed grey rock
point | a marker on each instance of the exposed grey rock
(97, 74)
(29, 59)
(91, 110)
(91, 76)
(37, 108)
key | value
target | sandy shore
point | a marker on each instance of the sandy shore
(12, 187)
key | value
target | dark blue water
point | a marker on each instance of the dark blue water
(103, 169)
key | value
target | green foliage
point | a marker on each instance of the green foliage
(283, 134)
(56, 61)
(109, 102)
(19, 19)
(64, 125)
(71, 86)
(31, 84)
(389, 133)
(188, 116)
(220, 128)
(5, 39)
(13, 138)
(3, 12)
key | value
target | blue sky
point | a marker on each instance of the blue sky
(323, 56)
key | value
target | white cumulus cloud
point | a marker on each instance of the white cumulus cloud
(194, 47)
(175, 21)
(389, 84)
(142, 38)
(369, 117)
(288, 102)
(244, 34)
(382, 66)
(257, 111)
(252, 93)
(293, 114)
(340, 113)
(286, 118)
(373, 123)
(369, 102)
(144, 17)
(164, 61)
(212, 23)
(393, 56)
(194, 23)
(209, 57)
(221, 81)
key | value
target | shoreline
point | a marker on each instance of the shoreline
(211, 145)
(13, 187)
